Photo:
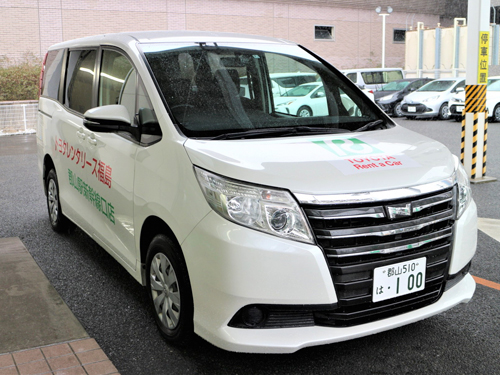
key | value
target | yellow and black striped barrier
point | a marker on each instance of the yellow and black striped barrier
(474, 131)
(475, 98)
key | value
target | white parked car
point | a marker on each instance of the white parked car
(457, 101)
(282, 82)
(309, 100)
(431, 100)
(305, 100)
(257, 229)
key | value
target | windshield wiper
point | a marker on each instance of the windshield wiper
(282, 132)
(371, 125)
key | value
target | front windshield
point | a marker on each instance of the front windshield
(493, 84)
(395, 86)
(301, 90)
(212, 90)
(437, 85)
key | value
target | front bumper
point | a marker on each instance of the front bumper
(290, 340)
(420, 109)
(231, 267)
(456, 110)
(387, 107)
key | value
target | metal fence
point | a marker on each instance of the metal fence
(18, 117)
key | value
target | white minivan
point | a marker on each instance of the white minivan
(257, 229)
(374, 78)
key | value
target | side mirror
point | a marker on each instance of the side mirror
(459, 89)
(109, 119)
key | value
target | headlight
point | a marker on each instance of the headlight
(464, 195)
(265, 209)
(431, 99)
(286, 103)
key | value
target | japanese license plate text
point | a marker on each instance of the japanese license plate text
(399, 279)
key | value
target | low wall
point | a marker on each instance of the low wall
(18, 117)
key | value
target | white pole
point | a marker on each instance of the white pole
(24, 118)
(383, 38)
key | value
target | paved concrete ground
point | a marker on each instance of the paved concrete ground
(38, 333)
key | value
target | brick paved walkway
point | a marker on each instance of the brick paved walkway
(79, 357)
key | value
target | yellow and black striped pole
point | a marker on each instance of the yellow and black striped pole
(475, 107)
(474, 125)
(475, 114)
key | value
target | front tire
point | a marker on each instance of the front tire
(444, 112)
(169, 290)
(304, 111)
(58, 221)
(496, 113)
(397, 111)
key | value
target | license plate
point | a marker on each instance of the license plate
(460, 108)
(399, 279)
(412, 109)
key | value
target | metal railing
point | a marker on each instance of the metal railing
(18, 117)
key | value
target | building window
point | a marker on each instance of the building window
(324, 32)
(399, 36)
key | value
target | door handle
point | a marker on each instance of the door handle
(80, 133)
(91, 139)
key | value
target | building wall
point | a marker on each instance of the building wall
(34, 25)
(453, 60)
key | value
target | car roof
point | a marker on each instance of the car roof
(291, 74)
(412, 79)
(125, 38)
(449, 79)
(369, 70)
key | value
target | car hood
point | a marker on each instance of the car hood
(328, 164)
(460, 97)
(419, 96)
(286, 99)
(380, 94)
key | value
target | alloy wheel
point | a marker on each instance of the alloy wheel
(165, 291)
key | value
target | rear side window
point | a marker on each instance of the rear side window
(80, 79)
(52, 75)
(379, 77)
(353, 77)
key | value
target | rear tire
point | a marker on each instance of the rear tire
(169, 290)
(58, 221)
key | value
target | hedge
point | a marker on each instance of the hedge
(19, 81)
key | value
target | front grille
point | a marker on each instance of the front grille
(359, 237)
(419, 108)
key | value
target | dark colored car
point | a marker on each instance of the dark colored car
(390, 96)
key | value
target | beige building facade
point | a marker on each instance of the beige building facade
(354, 28)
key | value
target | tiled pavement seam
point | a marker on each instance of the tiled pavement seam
(79, 357)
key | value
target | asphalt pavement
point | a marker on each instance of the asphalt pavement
(112, 307)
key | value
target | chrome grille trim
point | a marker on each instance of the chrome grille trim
(422, 204)
(376, 196)
(346, 213)
(382, 249)
(386, 230)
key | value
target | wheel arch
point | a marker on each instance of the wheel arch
(48, 164)
(152, 227)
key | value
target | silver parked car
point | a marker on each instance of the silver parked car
(431, 100)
